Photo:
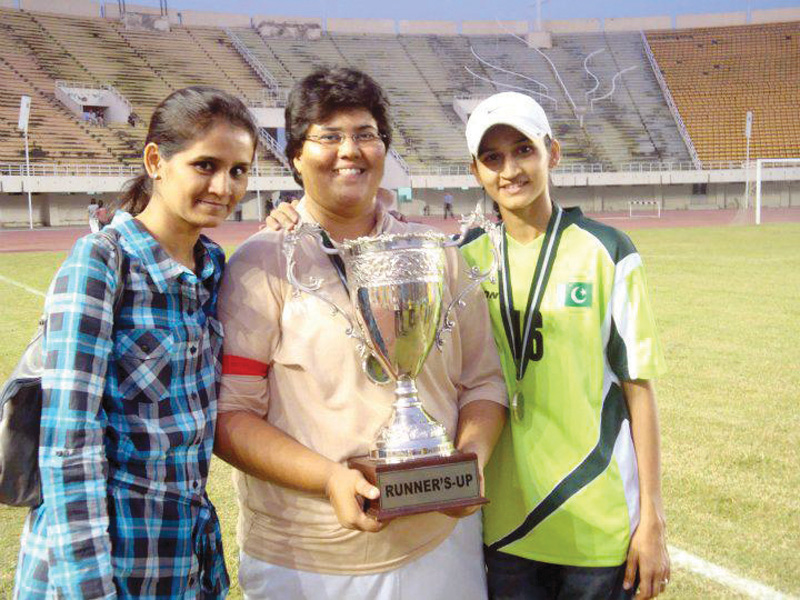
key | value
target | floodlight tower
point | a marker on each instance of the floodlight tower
(538, 21)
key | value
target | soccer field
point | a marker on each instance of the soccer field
(727, 301)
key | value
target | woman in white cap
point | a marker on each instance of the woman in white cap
(574, 482)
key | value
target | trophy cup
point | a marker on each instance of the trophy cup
(396, 282)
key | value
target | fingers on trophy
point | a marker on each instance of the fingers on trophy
(396, 288)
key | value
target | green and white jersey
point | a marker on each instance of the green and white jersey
(563, 479)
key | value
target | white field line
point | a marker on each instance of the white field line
(22, 285)
(685, 561)
(679, 558)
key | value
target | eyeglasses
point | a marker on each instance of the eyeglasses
(337, 138)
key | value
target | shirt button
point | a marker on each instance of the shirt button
(193, 349)
(195, 484)
(190, 312)
(191, 580)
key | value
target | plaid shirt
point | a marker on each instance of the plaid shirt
(129, 408)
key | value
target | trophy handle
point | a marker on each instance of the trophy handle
(312, 285)
(475, 219)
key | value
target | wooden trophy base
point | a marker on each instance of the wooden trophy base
(421, 484)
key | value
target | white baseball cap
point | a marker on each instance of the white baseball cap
(516, 110)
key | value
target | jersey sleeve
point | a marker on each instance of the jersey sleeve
(634, 349)
(72, 461)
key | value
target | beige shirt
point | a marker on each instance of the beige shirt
(316, 392)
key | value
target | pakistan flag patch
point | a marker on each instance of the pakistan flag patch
(577, 294)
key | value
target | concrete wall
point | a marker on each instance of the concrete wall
(637, 23)
(111, 9)
(213, 19)
(573, 25)
(775, 15)
(288, 20)
(710, 20)
(493, 27)
(60, 209)
(366, 26)
(428, 27)
(77, 8)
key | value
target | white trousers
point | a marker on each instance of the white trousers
(454, 569)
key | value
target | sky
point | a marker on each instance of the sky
(456, 10)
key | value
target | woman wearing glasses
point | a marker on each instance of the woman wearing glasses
(295, 404)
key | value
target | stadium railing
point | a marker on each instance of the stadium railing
(95, 170)
(119, 170)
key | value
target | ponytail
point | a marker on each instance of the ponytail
(136, 194)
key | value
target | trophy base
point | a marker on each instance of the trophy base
(421, 485)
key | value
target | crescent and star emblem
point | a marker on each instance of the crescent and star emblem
(578, 294)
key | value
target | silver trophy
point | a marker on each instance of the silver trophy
(396, 283)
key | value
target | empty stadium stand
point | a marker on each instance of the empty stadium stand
(599, 88)
(716, 75)
(36, 50)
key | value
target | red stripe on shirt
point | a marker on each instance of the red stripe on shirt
(239, 365)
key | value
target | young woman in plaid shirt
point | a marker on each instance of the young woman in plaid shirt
(130, 399)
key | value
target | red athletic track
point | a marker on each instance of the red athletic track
(232, 233)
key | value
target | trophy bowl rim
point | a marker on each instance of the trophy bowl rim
(394, 241)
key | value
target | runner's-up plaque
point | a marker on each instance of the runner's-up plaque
(395, 283)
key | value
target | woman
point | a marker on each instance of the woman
(577, 466)
(129, 403)
(295, 403)
(574, 483)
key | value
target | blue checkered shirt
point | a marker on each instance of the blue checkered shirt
(129, 408)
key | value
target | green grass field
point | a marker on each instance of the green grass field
(727, 302)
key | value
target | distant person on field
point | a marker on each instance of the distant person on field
(103, 215)
(94, 223)
(448, 205)
(129, 400)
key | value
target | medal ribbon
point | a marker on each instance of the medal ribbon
(336, 260)
(521, 347)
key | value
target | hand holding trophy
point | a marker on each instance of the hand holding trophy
(396, 283)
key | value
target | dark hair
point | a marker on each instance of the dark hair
(180, 119)
(318, 96)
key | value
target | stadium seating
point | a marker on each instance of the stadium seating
(716, 75)
(39, 49)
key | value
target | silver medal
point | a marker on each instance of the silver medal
(517, 408)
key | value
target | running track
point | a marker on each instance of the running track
(232, 233)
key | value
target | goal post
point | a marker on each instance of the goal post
(644, 208)
(766, 163)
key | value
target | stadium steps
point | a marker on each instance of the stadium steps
(55, 132)
(219, 50)
(634, 124)
(261, 50)
(511, 54)
(717, 74)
